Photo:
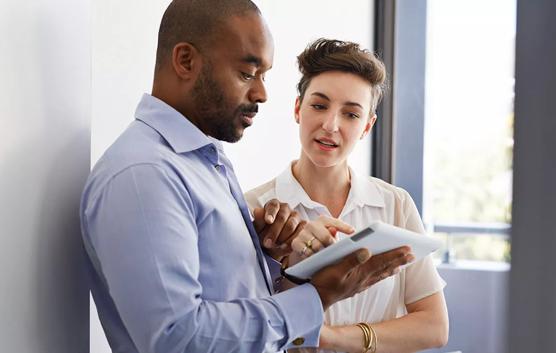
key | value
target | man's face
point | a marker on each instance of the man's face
(231, 82)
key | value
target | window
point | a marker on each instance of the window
(468, 137)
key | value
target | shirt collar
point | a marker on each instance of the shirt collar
(180, 133)
(290, 191)
(363, 192)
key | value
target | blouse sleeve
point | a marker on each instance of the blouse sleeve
(421, 278)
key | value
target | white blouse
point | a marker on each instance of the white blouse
(369, 199)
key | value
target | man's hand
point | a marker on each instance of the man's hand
(277, 225)
(357, 272)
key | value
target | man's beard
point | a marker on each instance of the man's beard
(219, 119)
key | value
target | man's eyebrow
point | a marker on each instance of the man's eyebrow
(253, 60)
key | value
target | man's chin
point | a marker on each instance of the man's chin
(232, 137)
(237, 136)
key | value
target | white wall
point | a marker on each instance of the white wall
(123, 57)
(124, 45)
(44, 160)
(272, 142)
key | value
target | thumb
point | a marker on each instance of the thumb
(353, 260)
(258, 218)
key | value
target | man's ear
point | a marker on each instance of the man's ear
(369, 126)
(296, 109)
(186, 60)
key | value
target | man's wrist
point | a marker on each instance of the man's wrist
(289, 277)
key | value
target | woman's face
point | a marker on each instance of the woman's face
(334, 115)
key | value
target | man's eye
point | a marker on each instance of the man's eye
(247, 76)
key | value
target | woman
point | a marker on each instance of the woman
(340, 88)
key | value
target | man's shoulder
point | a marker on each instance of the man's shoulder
(138, 146)
(258, 196)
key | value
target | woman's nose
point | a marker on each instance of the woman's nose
(330, 124)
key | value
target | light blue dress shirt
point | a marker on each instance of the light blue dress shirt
(174, 261)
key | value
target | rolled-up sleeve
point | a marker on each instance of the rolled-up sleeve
(142, 230)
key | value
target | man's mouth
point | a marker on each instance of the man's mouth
(247, 118)
(247, 113)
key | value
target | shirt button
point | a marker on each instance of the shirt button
(217, 166)
(298, 341)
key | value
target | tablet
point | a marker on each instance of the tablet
(378, 237)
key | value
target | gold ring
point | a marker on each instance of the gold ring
(304, 250)
(309, 243)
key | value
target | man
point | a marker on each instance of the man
(175, 261)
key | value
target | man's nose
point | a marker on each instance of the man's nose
(257, 94)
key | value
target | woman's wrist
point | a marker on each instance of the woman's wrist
(348, 338)
(328, 337)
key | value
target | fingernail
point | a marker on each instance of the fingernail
(362, 256)
(268, 243)
(270, 219)
(283, 246)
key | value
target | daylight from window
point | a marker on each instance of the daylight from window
(469, 127)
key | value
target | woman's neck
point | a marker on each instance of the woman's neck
(328, 186)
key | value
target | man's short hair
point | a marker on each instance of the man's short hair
(325, 55)
(195, 22)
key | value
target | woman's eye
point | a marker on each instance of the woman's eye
(318, 106)
(247, 76)
(352, 115)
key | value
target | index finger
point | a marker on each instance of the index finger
(258, 219)
(340, 226)
(271, 209)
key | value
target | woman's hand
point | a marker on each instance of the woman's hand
(315, 236)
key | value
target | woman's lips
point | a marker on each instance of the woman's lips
(326, 144)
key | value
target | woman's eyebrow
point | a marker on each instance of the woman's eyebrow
(355, 104)
(324, 96)
(321, 95)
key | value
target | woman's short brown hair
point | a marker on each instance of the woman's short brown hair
(325, 55)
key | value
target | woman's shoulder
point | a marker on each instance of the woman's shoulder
(389, 191)
(399, 204)
(259, 195)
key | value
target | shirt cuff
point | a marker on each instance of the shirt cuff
(302, 309)
(274, 269)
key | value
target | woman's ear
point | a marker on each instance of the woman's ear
(369, 126)
(296, 109)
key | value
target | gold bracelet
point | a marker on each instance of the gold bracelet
(374, 340)
(367, 336)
